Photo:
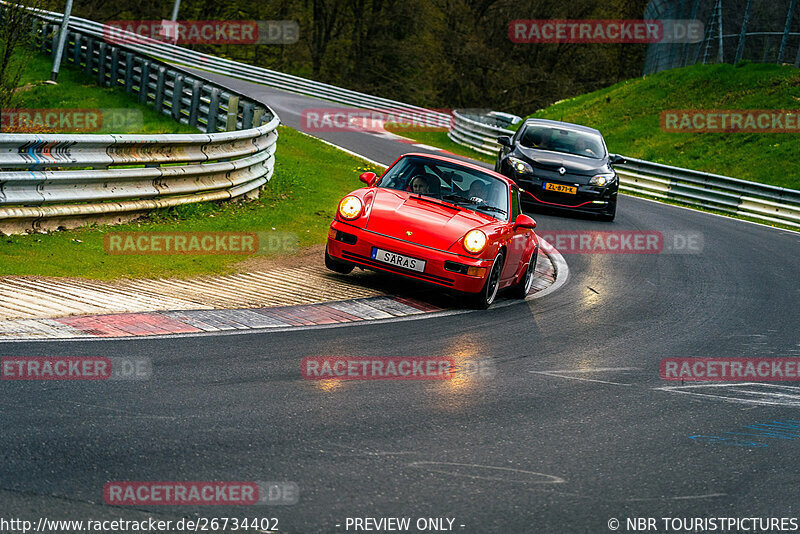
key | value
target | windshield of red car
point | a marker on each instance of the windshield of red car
(449, 182)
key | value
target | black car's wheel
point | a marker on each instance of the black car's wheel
(487, 295)
(520, 290)
(610, 213)
(341, 267)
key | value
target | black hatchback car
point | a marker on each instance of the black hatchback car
(561, 166)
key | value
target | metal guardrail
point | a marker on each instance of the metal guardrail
(695, 188)
(55, 181)
(476, 132)
(179, 55)
(65, 181)
(179, 93)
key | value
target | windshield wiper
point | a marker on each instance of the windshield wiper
(433, 200)
(477, 205)
(491, 208)
(458, 198)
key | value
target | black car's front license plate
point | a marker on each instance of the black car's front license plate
(560, 188)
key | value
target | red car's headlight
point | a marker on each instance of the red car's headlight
(350, 207)
(475, 241)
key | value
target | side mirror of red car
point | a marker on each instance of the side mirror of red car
(523, 221)
(368, 178)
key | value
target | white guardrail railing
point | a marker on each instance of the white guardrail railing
(695, 188)
(51, 181)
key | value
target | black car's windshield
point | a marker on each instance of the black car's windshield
(563, 140)
(451, 183)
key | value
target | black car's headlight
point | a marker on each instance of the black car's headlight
(520, 166)
(602, 179)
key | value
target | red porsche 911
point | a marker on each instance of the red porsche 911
(441, 221)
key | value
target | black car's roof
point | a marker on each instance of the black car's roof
(548, 122)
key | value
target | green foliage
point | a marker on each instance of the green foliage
(628, 115)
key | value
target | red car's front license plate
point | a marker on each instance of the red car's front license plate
(398, 260)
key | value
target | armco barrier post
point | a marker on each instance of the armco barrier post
(247, 116)
(101, 64)
(144, 81)
(89, 55)
(114, 72)
(162, 75)
(194, 108)
(128, 72)
(233, 113)
(213, 111)
(177, 96)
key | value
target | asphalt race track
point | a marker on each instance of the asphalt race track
(569, 429)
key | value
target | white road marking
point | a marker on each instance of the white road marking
(558, 373)
(778, 396)
(549, 479)
(681, 498)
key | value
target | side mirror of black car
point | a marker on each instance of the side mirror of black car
(616, 159)
(504, 140)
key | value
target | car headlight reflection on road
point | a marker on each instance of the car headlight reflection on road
(602, 179)
(350, 207)
(474, 241)
(520, 166)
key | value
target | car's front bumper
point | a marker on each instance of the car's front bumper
(588, 199)
(351, 244)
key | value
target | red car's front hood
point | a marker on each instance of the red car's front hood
(395, 213)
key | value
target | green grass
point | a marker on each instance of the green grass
(438, 139)
(309, 180)
(628, 116)
(76, 90)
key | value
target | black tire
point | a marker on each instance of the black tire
(488, 293)
(521, 290)
(341, 267)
